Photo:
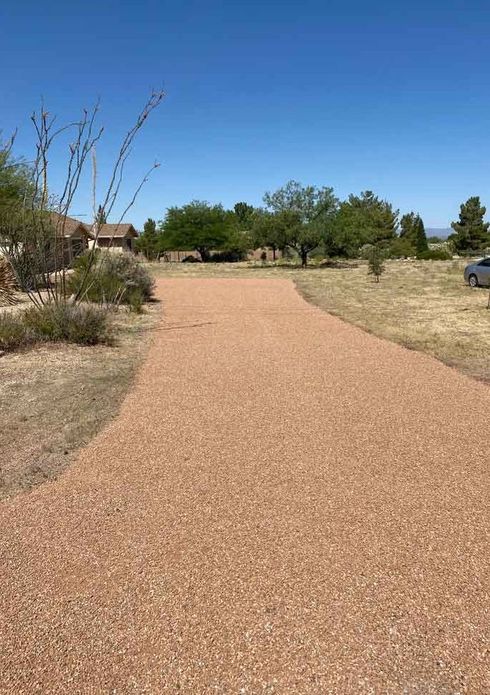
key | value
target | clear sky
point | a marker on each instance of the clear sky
(382, 95)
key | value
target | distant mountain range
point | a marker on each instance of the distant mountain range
(441, 232)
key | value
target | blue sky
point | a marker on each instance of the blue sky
(393, 97)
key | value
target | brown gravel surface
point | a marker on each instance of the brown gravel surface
(284, 504)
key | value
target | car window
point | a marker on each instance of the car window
(485, 262)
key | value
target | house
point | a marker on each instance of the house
(115, 237)
(71, 237)
(80, 236)
(75, 234)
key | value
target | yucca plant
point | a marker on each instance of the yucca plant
(7, 283)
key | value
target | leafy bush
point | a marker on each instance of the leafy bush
(14, 333)
(135, 300)
(401, 248)
(72, 323)
(130, 271)
(111, 278)
(434, 255)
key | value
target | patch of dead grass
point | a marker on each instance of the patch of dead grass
(54, 398)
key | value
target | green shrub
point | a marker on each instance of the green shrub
(135, 300)
(130, 271)
(112, 278)
(14, 333)
(72, 323)
(434, 255)
(401, 248)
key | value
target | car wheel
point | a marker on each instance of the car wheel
(473, 280)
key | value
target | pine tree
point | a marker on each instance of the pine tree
(470, 232)
(420, 238)
(375, 259)
(407, 226)
(147, 242)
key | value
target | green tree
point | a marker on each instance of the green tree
(148, 241)
(375, 257)
(302, 237)
(301, 215)
(311, 204)
(470, 231)
(407, 226)
(269, 230)
(412, 230)
(16, 179)
(421, 245)
(364, 219)
(198, 226)
(244, 214)
(25, 232)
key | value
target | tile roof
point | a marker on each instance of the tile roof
(71, 226)
(68, 226)
(117, 230)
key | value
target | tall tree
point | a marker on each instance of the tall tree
(412, 230)
(16, 178)
(311, 204)
(269, 230)
(302, 214)
(244, 214)
(470, 231)
(148, 241)
(364, 219)
(420, 238)
(407, 226)
(197, 225)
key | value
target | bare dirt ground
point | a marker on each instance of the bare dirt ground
(423, 305)
(285, 504)
(53, 399)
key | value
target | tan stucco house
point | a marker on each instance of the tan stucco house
(115, 237)
(75, 234)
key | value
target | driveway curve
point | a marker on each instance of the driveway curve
(285, 504)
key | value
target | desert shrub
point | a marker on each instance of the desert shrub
(130, 271)
(14, 333)
(112, 278)
(135, 300)
(434, 255)
(72, 323)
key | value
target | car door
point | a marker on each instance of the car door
(483, 270)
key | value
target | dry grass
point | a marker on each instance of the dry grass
(54, 398)
(423, 305)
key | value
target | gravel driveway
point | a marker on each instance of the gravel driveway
(285, 504)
